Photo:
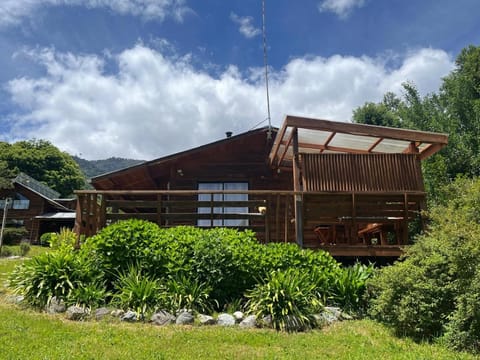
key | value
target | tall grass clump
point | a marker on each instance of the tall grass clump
(288, 297)
(53, 274)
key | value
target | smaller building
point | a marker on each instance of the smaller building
(36, 207)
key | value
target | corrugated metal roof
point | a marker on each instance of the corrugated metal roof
(57, 216)
(324, 136)
(36, 186)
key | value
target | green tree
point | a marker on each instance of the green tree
(45, 163)
(454, 109)
(5, 176)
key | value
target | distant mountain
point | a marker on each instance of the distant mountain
(92, 168)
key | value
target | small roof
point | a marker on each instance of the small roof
(324, 136)
(42, 190)
(57, 216)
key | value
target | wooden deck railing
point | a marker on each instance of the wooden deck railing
(268, 213)
(344, 220)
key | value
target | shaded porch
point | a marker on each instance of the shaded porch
(343, 231)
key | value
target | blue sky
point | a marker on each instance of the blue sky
(146, 78)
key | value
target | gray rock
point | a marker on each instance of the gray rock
(76, 313)
(267, 321)
(225, 320)
(249, 322)
(334, 311)
(238, 315)
(14, 299)
(184, 318)
(206, 319)
(129, 316)
(100, 313)
(328, 316)
(117, 313)
(56, 306)
(162, 318)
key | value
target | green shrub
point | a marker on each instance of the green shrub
(438, 276)
(349, 286)
(184, 293)
(47, 238)
(14, 235)
(289, 297)
(65, 238)
(24, 248)
(137, 291)
(91, 295)
(51, 274)
(463, 328)
(123, 244)
(6, 251)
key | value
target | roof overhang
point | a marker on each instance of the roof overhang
(325, 136)
(57, 216)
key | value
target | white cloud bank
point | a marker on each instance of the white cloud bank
(245, 24)
(342, 8)
(13, 11)
(155, 105)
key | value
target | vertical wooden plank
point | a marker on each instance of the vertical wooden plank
(78, 228)
(94, 218)
(267, 220)
(287, 220)
(103, 212)
(353, 230)
(159, 209)
(277, 218)
(297, 187)
(405, 220)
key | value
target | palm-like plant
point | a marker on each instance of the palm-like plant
(289, 297)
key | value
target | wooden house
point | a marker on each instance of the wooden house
(36, 207)
(351, 189)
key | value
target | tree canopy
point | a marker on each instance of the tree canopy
(42, 161)
(454, 109)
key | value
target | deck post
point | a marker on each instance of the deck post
(297, 186)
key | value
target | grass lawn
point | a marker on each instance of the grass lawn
(25, 334)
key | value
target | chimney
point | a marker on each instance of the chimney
(229, 134)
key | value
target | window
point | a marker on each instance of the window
(226, 186)
(19, 202)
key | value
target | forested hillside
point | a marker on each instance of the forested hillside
(92, 168)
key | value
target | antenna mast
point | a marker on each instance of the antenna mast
(265, 62)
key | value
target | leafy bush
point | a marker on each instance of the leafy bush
(46, 238)
(6, 251)
(123, 244)
(137, 291)
(14, 235)
(349, 285)
(435, 285)
(184, 293)
(289, 297)
(463, 329)
(51, 274)
(92, 294)
(24, 248)
(65, 238)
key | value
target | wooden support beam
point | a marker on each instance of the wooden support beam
(405, 221)
(297, 186)
(368, 130)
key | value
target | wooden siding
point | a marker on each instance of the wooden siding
(361, 172)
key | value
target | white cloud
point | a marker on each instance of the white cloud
(155, 105)
(342, 8)
(246, 28)
(13, 11)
